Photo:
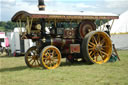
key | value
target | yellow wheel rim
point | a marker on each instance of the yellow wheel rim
(32, 58)
(51, 57)
(99, 47)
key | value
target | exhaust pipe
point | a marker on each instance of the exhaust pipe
(41, 5)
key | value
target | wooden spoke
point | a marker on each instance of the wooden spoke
(98, 39)
(31, 57)
(91, 49)
(91, 43)
(96, 58)
(105, 46)
(93, 54)
(101, 55)
(33, 62)
(30, 60)
(94, 39)
(90, 52)
(99, 47)
(102, 41)
(38, 62)
(104, 53)
(45, 57)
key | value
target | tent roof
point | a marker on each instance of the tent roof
(120, 25)
(62, 15)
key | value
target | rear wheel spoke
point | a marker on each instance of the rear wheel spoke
(102, 41)
(104, 53)
(91, 43)
(90, 48)
(99, 47)
(101, 55)
(96, 58)
(95, 40)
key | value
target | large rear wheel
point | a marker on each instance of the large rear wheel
(96, 47)
(50, 57)
(32, 57)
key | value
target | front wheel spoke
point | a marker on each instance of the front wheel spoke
(47, 54)
(53, 62)
(49, 62)
(45, 58)
(54, 58)
(53, 53)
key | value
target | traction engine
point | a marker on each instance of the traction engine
(74, 37)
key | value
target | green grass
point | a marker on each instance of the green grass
(13, 71)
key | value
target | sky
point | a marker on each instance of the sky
(9, 7)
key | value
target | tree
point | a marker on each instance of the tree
(2, 24)
(7, 25)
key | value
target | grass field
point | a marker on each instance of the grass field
(13, 71)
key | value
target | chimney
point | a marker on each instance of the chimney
(41, 5)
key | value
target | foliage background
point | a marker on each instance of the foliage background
(7, 26)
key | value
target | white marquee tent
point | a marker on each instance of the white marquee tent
(119, 31)
(120, 25)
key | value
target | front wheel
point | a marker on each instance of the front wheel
(50, 57)
(96, 47)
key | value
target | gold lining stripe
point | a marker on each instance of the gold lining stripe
(41, 6)
(73, 41)
(63, 42)
(119, 33)
(51, 41)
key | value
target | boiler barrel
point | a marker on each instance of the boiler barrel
(57, 41)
